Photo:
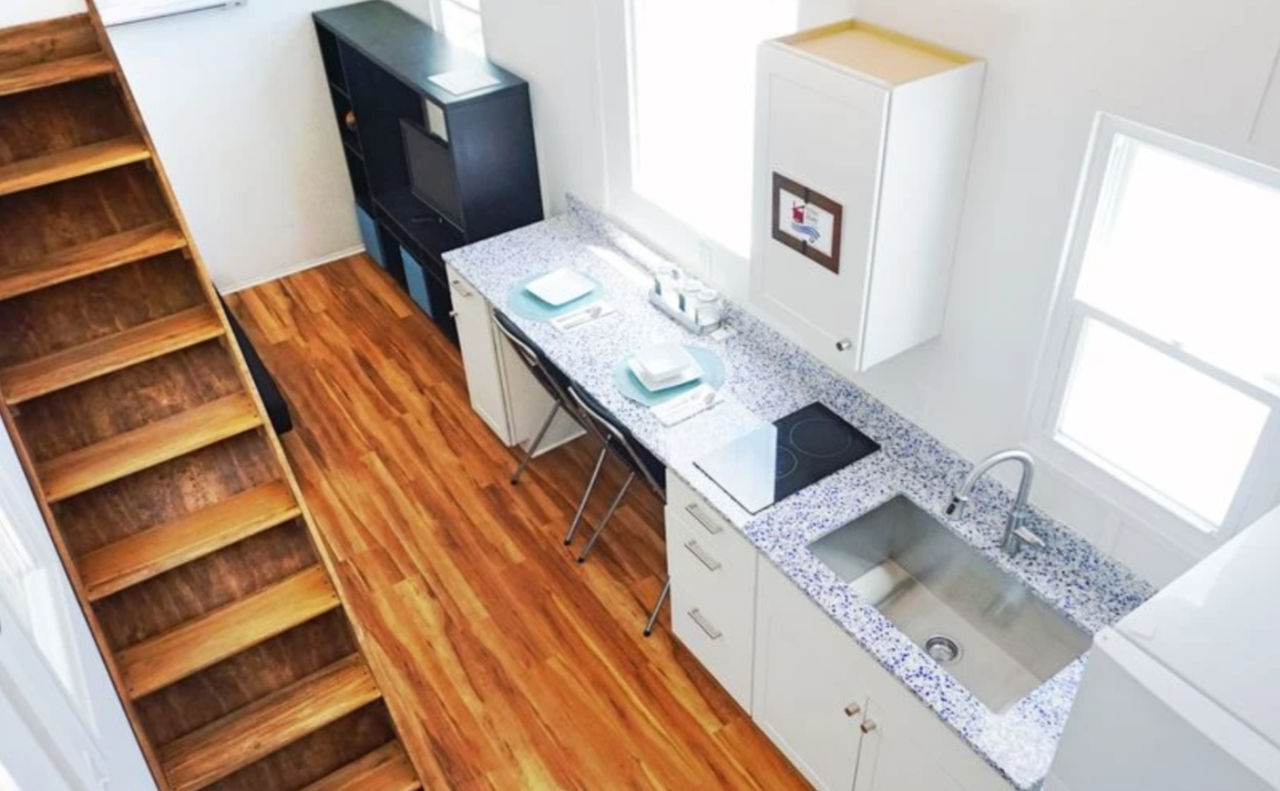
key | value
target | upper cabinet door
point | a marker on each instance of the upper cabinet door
(875, 128)
(825, 132)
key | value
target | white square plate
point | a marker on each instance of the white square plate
(664, 366)
(663, 361)
(560, 287)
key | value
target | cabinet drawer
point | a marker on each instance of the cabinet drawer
(714, 568)
(719, 633)
(687, 511)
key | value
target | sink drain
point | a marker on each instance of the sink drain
(942, 649)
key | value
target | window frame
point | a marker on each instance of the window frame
(1259, 488)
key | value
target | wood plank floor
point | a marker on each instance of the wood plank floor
(509, 665)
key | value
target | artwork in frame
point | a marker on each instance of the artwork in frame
(807, 221)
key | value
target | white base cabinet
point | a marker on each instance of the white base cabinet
(808, 696)
(713, 589)
(502, 391)
(485, 372)
(842, 719)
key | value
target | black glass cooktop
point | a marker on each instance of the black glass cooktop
(779, 459)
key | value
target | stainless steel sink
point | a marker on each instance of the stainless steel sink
(983, 625)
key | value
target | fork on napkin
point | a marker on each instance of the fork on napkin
(583, 316)
(681, 408)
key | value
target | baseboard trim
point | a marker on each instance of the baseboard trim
(293, 270)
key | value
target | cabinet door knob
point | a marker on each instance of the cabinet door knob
(844, 345)
(868, 726)
(462, 290)
(852, 710)
(453, 314)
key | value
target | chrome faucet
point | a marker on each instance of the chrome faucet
(1016, 533)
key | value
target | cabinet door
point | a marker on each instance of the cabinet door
(905, 746)
(807, 697)
(892, 757)
(480, 357)
(824, 130)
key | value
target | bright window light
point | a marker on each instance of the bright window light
(1172, 429)
(693, 108)
(1190, 254)
(463, 24)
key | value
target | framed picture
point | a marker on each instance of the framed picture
(807, 221)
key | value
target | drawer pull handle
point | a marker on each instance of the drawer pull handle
(868, 726)
(704, 624)
(711, 527)
(701, 554)
(462, 290)
(852, 710)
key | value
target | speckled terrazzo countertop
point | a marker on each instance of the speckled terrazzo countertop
(769, 377)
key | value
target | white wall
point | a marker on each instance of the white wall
(1198, 69)
(552, 44)
(238, 106)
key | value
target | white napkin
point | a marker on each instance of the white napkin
(583, 316)
(681, 408)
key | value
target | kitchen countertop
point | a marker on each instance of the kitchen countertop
(769, 377)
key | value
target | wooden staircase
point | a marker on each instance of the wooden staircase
(168, 495)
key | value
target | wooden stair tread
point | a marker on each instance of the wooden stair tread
(209, 754)
(65, 165)
(88, 259)
(225, 632)
(385, 769)
(108, 354)
(152, 552)
(133, 451)
(55, 72)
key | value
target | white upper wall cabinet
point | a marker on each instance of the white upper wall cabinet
(863, 138)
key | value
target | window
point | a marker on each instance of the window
(461, 22)
(1161, 382)
(682, 132)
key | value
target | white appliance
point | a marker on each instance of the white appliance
(1184, 693)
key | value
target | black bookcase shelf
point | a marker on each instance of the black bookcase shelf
(431, 171)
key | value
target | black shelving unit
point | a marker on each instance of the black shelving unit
(400, 131)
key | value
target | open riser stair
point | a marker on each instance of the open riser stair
(165, 489)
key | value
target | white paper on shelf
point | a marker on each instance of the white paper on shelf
(464, 81)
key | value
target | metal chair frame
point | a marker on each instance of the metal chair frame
(612, 432)
(599, 425)
(540, 367)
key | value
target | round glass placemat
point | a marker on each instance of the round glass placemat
(525, 305)
(630, 386)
